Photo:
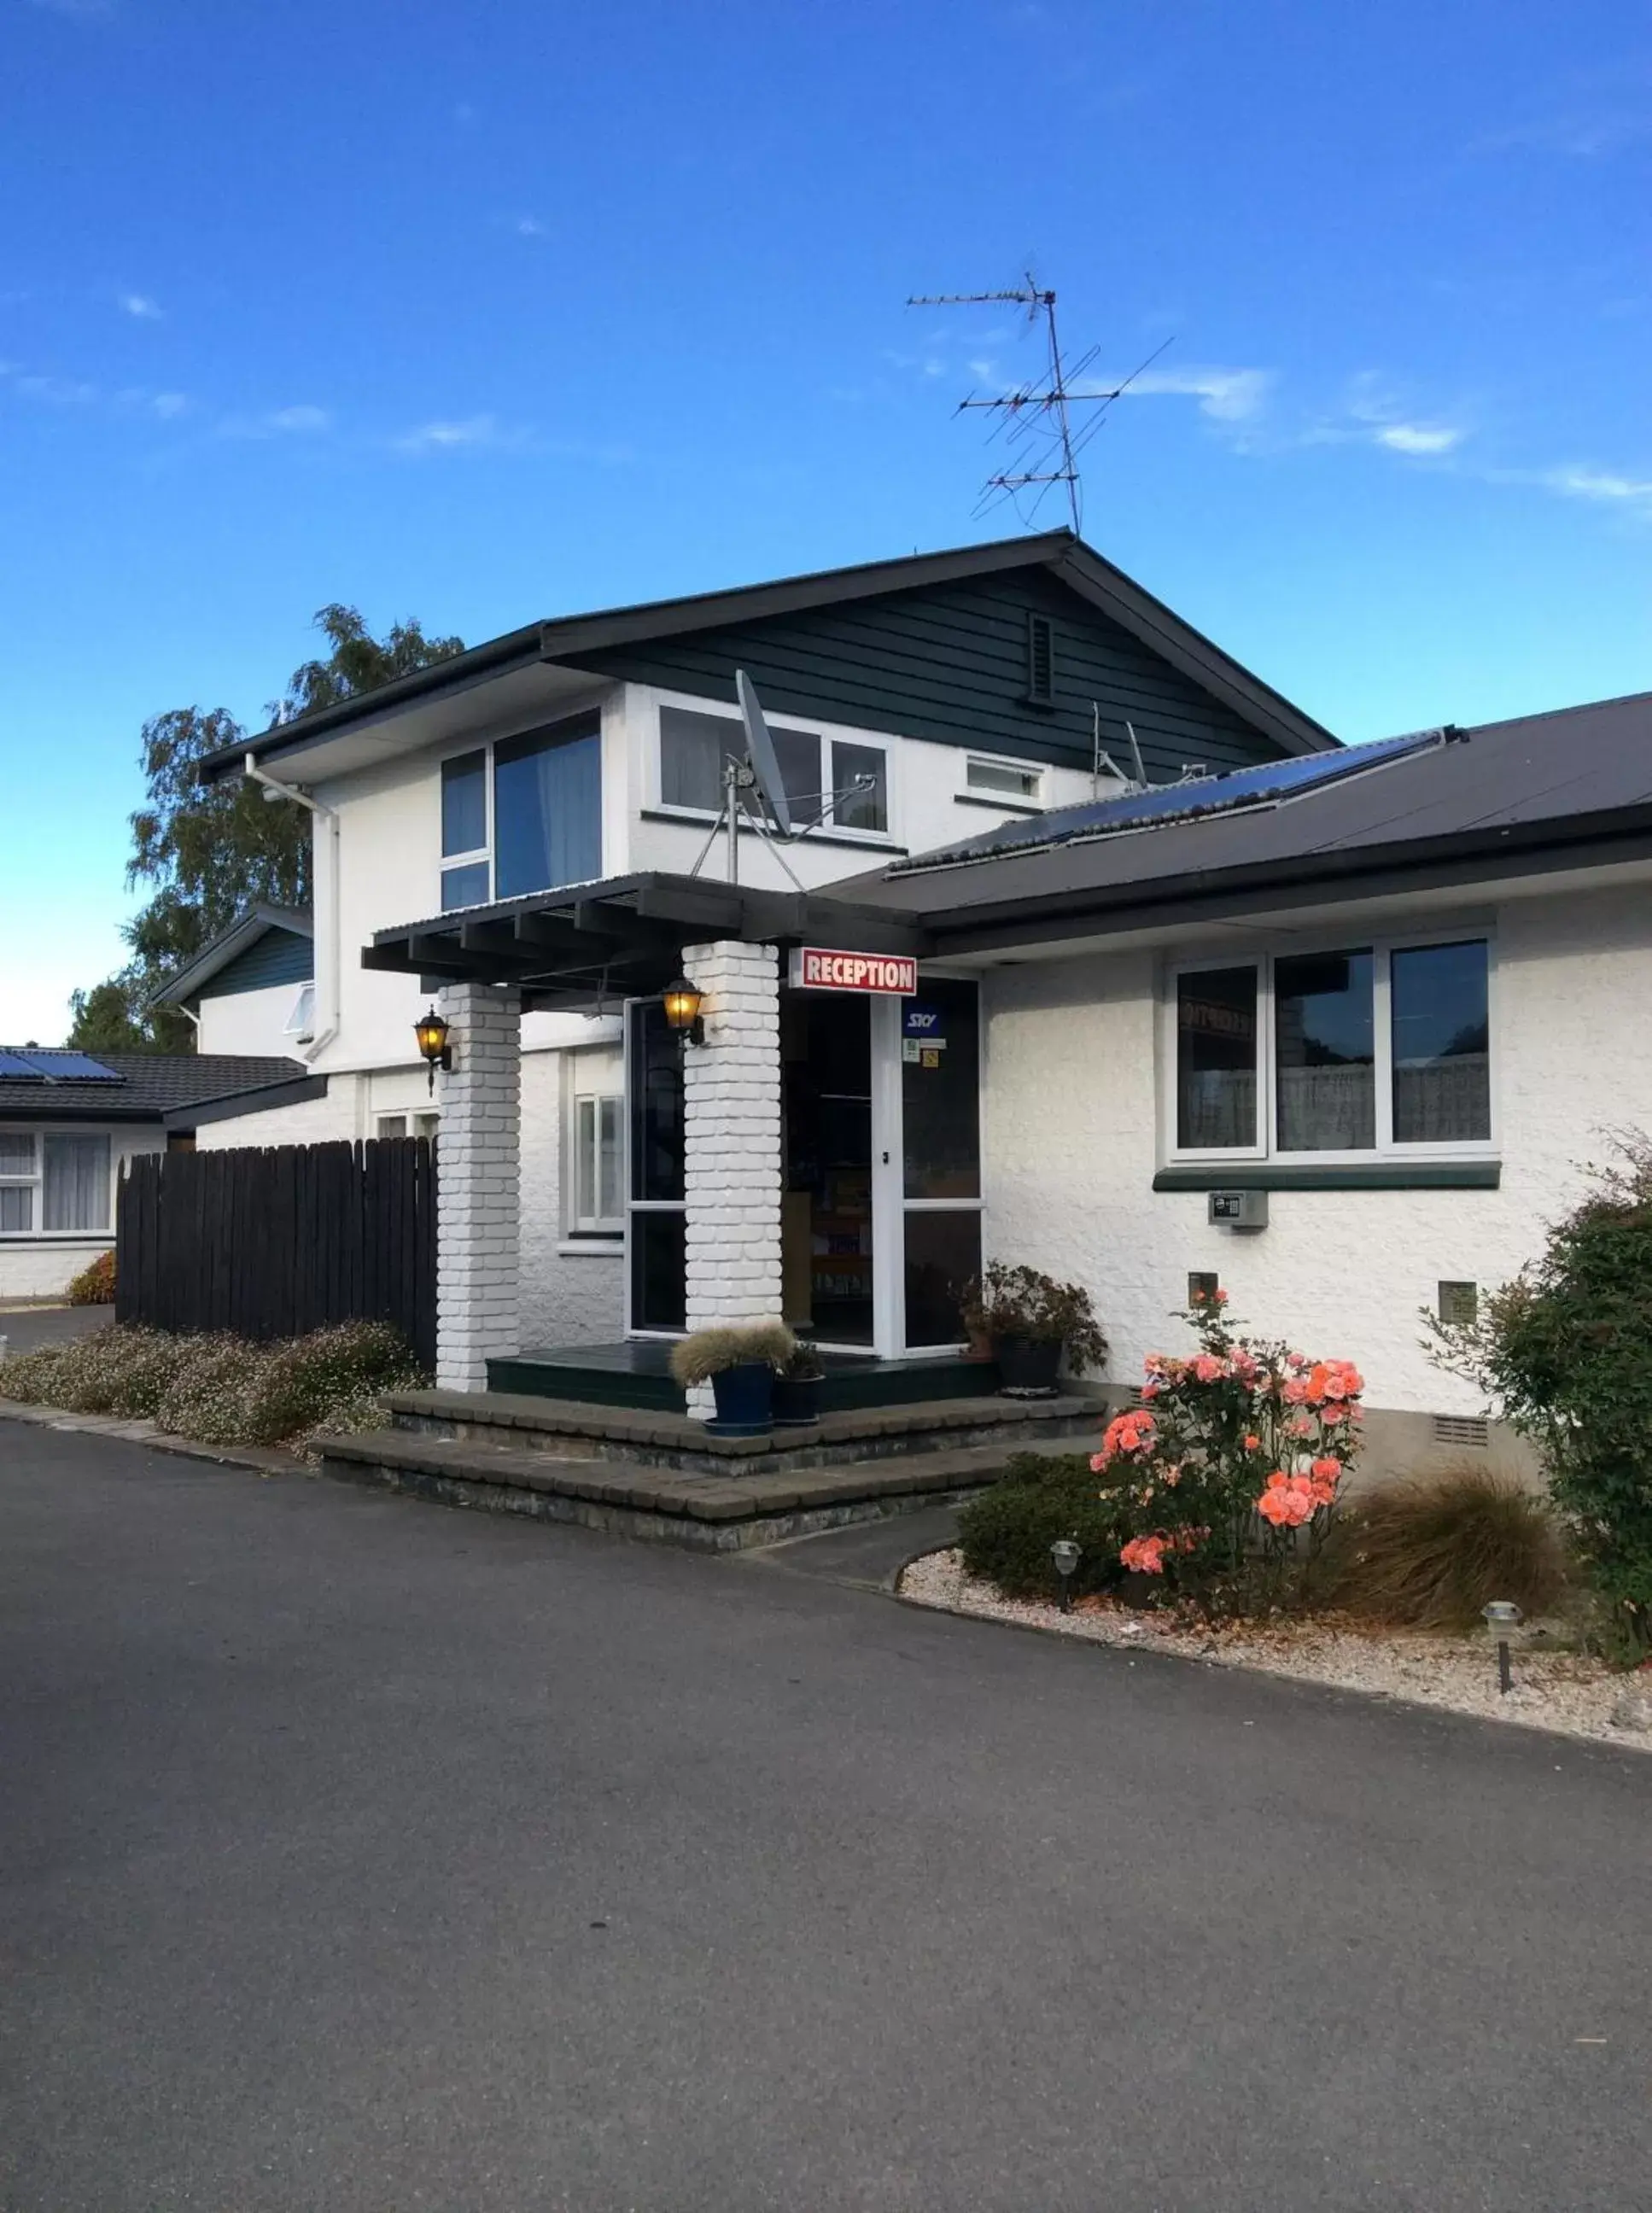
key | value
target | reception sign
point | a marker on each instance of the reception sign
(818, 968)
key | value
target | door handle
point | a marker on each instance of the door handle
(886, 1160)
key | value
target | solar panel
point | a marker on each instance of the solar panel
(1264, 785)
(79, 1067)
(50, 1064)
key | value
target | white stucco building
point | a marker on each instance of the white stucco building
(1388, 996)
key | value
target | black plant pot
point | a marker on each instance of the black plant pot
(1028, 1365)
(796, 1401)
(745, 1397)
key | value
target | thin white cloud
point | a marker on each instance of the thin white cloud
(473, 432)
(140, 306)
(1604, 485)
(1226, 395)
(529, 226)
(168, 405)
(1419, 438)
(278, 423)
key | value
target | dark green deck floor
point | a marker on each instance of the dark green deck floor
(638, 1374)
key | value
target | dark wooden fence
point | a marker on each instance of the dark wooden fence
(272, 1243)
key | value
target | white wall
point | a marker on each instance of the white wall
(44, 1267)
(1071, 1147)
(249, 1021)
(309, 1122)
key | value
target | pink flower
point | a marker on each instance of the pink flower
(1143, 1555)
(1253, 1443)
(1130, 1432)
(1209, 1369)
(1288, 1502)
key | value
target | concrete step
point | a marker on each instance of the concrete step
(703, 1512)
(565, 1429)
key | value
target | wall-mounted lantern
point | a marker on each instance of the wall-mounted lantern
(432, 1035)
(682, 1002)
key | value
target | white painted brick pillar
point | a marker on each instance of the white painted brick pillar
(479, 1186)
(731, 1097)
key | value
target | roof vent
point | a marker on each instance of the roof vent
(1040, 661)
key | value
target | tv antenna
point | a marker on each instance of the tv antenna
(754, 793)
(1036, 422)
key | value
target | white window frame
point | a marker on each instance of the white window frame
(36, 1181)
(1382, 946)
(594, 1225)
(828, 735)
(416, 1122)
(478, 854)
(1034, 769)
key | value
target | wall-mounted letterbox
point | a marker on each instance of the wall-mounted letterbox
(1239, 1209)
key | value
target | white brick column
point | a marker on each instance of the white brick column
(731, 1087)
(479, 1186)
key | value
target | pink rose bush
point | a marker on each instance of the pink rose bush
(1230, 1462)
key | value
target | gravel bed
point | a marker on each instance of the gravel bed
(1561, 1691)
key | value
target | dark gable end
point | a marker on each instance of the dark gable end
(959, 663)
(279, 956)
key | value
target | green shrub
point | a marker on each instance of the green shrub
(1564, 1354)
(94, 1286)
(1006, 1533)
(1430, 1553)
(218, 1389)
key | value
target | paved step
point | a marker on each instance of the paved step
(708, 1513)
(566, 1429)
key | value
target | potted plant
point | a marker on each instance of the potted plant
(1031, 1320)
(978, 1349)
(797, 1388)
(739, 1361)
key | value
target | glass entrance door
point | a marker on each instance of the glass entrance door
(940, 1197)
(827, 1245)
(656, 1295)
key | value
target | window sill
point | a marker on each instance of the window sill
(35, 1237)
(1005, 806)
(591, 1249)
(1348, 1175)
(863, 841)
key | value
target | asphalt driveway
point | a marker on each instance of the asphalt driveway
(359, 1855)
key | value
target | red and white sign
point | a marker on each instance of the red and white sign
(817, 968)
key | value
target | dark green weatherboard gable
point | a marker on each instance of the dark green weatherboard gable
(950, 663)
(280, 956)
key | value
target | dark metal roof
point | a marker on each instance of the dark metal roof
(564, 639)
(246, 930)
(1576, 780)
(150, 1085)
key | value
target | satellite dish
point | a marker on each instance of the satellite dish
(760, 753)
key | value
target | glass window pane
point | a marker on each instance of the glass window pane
(547, 812)
(944, 1251)
(692, 750)
(798, 753)
(466, 886)
(610, 1149)
(940, 1089)
(17, 1153)
(1215, 1059)
(17, 1207)
(465, 803)
(76, 1187)
(998, 776)
(1443, 1079)
(584, 1159)
(1324, 1046)
(657, 1091)
(392, 1125)
(659, 1273)
(861, 810)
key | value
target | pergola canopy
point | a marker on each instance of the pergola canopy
(576, 949)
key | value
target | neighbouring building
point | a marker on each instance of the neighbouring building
(1340, 1026)
(68, 1121)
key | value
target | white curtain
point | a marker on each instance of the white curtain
(76, 1182)
(1324, 1110)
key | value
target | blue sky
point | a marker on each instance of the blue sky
(487, 314)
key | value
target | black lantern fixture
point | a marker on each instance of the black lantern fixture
(432, 1035)
(682, 1002)
(1066, 1555)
